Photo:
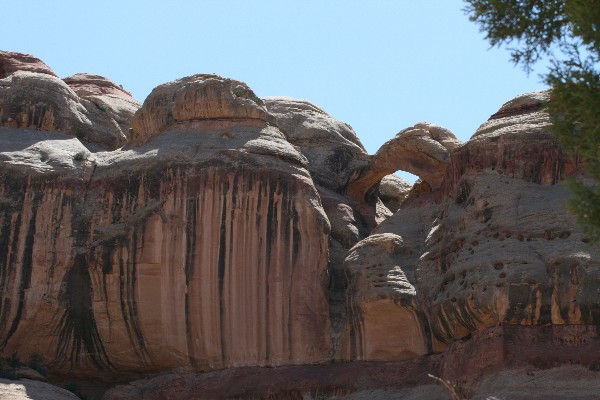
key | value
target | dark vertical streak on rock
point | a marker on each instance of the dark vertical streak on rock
(131, 303)
(108, 249)
(269, 240)
(190, 259)
(77, 327)
(122, 278)
(26, 269)
(421, 316)
(56, 234)
(221, 272)
(6, 262)
(288, 211)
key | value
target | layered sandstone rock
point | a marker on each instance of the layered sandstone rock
(11, 62)
(32, 390)
(214, 230)
(31, 96)
(109, 106)
(496, 244)
(204, 248)
(335, 154)
(386, 324)
(507, 249)
(335, 157)
(393, 191)
(196, 98)
(423, 150)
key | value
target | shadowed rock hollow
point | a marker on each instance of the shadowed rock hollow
(210, 229)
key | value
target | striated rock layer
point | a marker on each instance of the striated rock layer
(211, 229)
(88, 107)
(494, 245)
(204, 248)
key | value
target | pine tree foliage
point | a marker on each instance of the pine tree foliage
(567, 33)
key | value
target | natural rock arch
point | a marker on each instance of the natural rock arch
(423, 150)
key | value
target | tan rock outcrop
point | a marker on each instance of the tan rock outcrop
(385, 319)
(109, 106)
(226, 233)
(32, 390)
(393, 190)
(204, 248)
(335, 154)
(31, 96)
(423, 150)
(501, 246)
(11, 62)
(517, 142)
(196, 97)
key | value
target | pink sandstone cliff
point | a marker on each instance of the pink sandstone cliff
(209, 229)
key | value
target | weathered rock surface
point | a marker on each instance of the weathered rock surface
(423, 150)
(196, 98)
(500, 246)
(335, 154)
(31, 96)
(109, 105)
(503, 362)
(215, 230)
(11, 62)
(204, 248)
(358, 380)
(386, 324)
(516, 142)
(32, 390)
(393, 190)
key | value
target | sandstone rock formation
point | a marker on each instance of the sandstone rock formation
(209, 229)
(335, 154)
(11, 62)
(109, 106)
(385, 314)
(31, 96)
(32, 390)
(196, 98)
(423, 150)
(206, 247)
(393, 191)
(496, 243)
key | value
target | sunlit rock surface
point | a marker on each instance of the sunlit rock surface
(211, 230)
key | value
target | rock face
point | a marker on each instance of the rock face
(196, 98)
(206, 247)
(335, 154)
(109, 106)
(11, 62)
(495, 243)
(393, 191)
(32, 390)
(31, 96)
(386, 320)
(209, 229)
(423, 150)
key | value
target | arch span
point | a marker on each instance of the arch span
(423, 150)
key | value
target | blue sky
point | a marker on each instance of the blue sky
(379, 65)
